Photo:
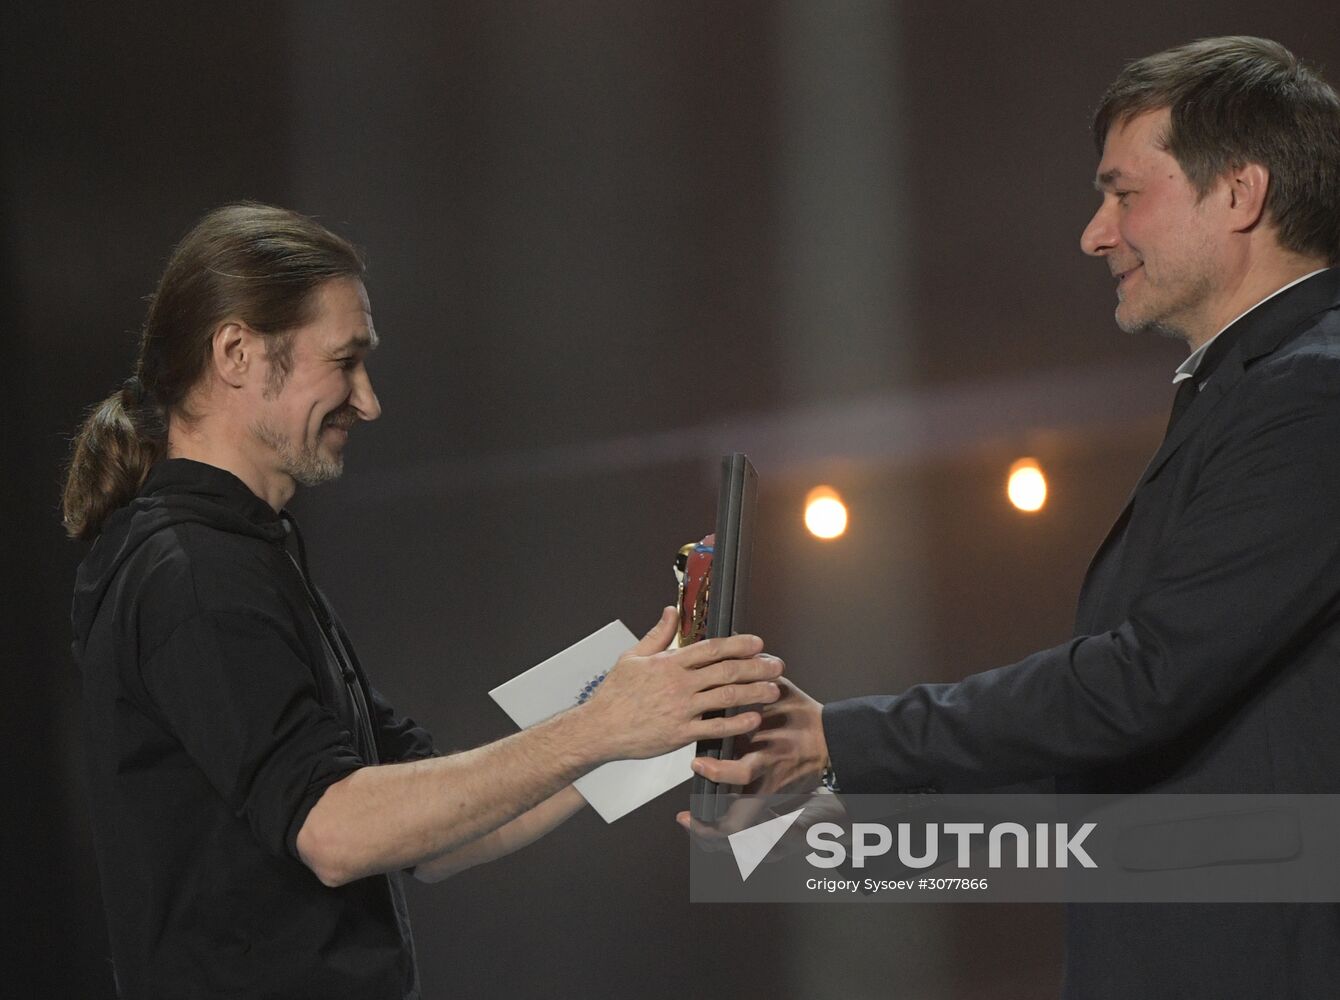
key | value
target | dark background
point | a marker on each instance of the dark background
(608, 242)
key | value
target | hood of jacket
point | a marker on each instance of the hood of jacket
(177, 491)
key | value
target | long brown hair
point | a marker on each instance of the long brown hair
(255, 262)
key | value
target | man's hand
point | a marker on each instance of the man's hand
(786, 756)
(653, 699)
(745, 811)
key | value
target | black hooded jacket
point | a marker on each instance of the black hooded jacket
(221, 698)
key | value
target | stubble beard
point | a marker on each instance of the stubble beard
(1147, 324)
(306, 464)
(1178, 297)
(1175, 305)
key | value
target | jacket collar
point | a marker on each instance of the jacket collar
(176, 476)
(1262, 330)
(1258, 333)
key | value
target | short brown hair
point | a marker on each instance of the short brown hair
(257, 262)
(1238, 100)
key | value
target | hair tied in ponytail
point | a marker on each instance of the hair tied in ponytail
(134, 390)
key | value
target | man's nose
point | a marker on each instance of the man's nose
(1100, 235)
(363, 399)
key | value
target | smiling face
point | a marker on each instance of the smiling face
(1164, 243)
(304, 416)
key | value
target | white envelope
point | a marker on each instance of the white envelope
(567, 679)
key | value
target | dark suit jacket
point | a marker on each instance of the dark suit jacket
(1206, 659)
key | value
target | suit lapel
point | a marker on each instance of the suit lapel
(1211, 391)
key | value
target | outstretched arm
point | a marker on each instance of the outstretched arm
(399, 816)
(527, 828)
(1243, 585)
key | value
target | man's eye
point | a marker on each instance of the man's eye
(1121, 196)
(348, 364)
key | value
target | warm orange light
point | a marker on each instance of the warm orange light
(1027, 486)
(825, 513)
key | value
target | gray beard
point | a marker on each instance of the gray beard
(1154, 326)
(306, 465)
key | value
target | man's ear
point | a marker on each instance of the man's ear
(1248, 186)
(236, 353)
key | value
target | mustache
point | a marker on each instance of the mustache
(343, 418)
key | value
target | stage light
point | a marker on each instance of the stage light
(1027, 486)
(825, 513)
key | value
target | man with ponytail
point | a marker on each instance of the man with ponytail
(254, 798)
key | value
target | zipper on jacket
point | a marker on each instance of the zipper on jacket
(330, 636)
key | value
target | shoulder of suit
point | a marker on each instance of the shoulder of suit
(1303, 374)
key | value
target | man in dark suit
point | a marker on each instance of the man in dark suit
(1206, 656)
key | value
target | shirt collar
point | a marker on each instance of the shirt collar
(1188, 367)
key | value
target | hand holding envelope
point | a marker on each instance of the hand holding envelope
(648, 705)
(659, 705)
